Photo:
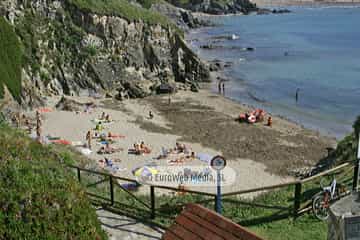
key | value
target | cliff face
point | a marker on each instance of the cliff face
(69, 50)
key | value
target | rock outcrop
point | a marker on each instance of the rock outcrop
(69, 51)
(217, 7)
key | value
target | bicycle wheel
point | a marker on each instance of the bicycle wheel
(320, 208)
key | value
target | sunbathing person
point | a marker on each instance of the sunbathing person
(180, 148)
(108, 149)
(191, 156)
(144, 148)
(111, 135)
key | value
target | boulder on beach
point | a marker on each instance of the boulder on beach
(164, 88)
(66, 104)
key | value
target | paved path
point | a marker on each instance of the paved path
(126, 228)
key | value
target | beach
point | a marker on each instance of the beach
(204, 121)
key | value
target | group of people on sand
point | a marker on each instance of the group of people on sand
(140, 149)
(180, 148)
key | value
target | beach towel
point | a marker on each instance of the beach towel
(61, 141)
(50, 138)
(76, 143)
(44, 110)
(85, 151)
(204, 157)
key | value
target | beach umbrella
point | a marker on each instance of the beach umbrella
(144, 171)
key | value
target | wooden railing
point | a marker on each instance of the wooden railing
(297, 208)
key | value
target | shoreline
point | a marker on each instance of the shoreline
(328, 132)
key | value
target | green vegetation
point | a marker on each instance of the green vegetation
(10, 60)
(269, 214)
(124, 9)
(40, 199)
(347, 148)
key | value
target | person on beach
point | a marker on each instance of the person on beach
(223, 88)
(151, 116)
(38, 129)
(219, 87)
(103, 116)
(88, 139)
(297, 95)
(98, 127)
(28, 125)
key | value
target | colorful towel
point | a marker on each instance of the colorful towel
(44, 110)
(61, 141)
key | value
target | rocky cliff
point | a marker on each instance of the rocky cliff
(72, 48)
(216, 7)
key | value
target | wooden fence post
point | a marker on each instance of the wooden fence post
(297, 198)
(152, 198)
(78, 174)
(111, 190)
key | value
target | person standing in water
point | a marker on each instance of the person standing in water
(297, 95)
(219, 87)
(223, 88)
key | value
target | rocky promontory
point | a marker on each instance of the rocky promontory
(119, 48)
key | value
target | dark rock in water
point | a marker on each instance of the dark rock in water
(225, 37)
(280, 11)
(210, 46)
(166, 88)
(228, 64)
(216, 65)
(264, 11)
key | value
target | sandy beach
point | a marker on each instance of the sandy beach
(260, 155)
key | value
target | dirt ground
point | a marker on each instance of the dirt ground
(209, 119)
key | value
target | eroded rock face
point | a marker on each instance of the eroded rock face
(76, 51)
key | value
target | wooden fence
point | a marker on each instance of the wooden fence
(297, 208)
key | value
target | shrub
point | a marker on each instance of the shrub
(10, 60)
(39, 199)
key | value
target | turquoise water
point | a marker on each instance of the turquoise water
(314, 49)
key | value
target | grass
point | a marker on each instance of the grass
(39, 198)
(271, 219)
(124, 9)
(10, 60)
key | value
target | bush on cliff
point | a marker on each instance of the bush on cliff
(124, 9)
(39, 199)
(347, 148)
(10, 60)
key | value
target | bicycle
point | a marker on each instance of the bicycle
(322, 200)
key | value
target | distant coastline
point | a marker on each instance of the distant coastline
(273, 3)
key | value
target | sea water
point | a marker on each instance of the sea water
(313, 49)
